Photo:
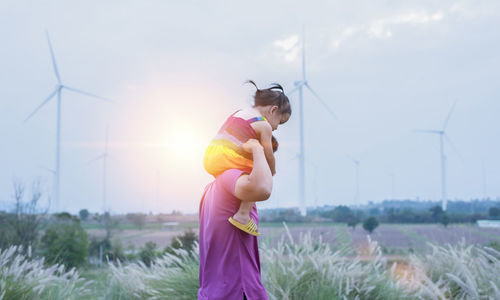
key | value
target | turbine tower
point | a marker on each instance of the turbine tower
(104, 156)
(442, 136)
(357, 197)
(299, 86)
(57, 92)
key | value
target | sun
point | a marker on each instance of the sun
(184, 142)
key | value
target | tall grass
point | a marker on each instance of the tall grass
(172, 276)
(310, 269)
(22, 277)
(458, 272)
(304, 268)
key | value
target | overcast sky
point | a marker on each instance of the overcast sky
(175, 71)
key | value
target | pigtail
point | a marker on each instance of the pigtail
(254, 84)
(276, 86)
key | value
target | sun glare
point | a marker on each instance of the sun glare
(184, 143)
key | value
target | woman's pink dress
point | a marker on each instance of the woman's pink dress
(229, 257)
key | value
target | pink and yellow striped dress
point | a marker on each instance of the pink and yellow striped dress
(224, 151)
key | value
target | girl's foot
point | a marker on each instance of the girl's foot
(242, 217)
(249, 227)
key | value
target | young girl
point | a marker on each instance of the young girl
(271, 109)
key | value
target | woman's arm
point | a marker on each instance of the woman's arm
(257, 185)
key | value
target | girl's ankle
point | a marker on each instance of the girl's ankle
(242, 218)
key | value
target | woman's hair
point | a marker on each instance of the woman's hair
(274, 141)
(273, 95)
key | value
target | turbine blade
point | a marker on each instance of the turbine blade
(56, 71)
(42, 104)
(427, 131)
(303, 53)
(449, 115)
(320, 100)
(294, 90)
(354, 160)
(455, 149)
(96, 158)
(47, 169)
(307, 161)
(87, 93)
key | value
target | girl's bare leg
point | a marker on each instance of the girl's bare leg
(243, 214)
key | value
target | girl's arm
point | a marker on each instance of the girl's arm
(265, 133)
(257, 185)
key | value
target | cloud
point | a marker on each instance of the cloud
(288, 48)
(346, 33)
(475, 9)
(383, 28)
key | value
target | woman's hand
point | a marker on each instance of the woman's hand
(251, 145)
(258, 185)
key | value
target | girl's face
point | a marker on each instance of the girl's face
(275, 117)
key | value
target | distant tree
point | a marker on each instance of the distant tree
(111, 249)
(370, 224)
(109, 223)
(374, 211)
(342, 214)
(391, 214)
(84, 214)
(353, 222)
(65, 241)
(436, 213)
(444, 220)
(494, 212)
(176, 213)
(22, 226)
(139, 219)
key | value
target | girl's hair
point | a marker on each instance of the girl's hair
(273, 95)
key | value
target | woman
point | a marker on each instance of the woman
(229, 257)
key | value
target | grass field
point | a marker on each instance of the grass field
(299, 261)
(393, 238)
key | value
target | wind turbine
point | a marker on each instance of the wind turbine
(442, 136)
(299, 86)
(357, 195)
(104, 156)
(57, 92)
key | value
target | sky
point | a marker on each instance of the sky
(176, 69)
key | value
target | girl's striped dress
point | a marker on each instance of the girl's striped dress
(224, 151)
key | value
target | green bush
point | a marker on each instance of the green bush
(353, 222)
(148, 253)
(185, 241)
(65, 241)
(444, 220)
